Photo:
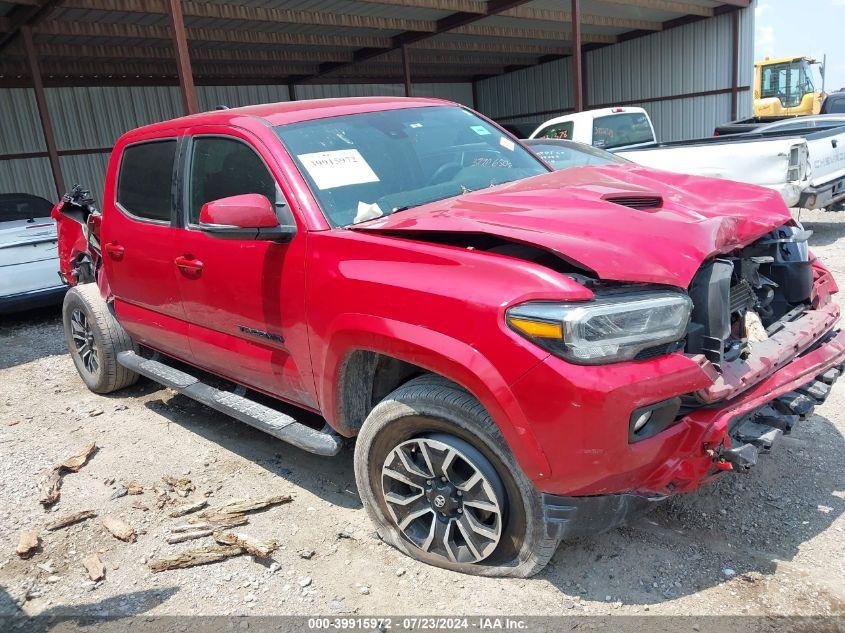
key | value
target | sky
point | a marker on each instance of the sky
(803, 27)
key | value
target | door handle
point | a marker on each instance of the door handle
(115, 250)
(188, 264)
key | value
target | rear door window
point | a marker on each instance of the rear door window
(618, 130)
(224, 167)
(145, 183)
(557, 130)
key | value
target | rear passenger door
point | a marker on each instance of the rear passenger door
(137, 241)
(244, 299)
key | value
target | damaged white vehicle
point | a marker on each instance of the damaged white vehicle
(777, 162)
(29, 260)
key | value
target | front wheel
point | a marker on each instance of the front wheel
(440, 484)
(95, 338)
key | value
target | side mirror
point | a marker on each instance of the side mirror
(249, 216)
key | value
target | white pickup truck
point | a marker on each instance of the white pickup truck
(783, 161)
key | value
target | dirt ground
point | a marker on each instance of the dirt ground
(767, 543)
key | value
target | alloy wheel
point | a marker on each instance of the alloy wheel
(83, 340)
(445, 497)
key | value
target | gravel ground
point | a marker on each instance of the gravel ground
(766, 543)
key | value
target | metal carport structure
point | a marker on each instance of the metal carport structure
(75, 74)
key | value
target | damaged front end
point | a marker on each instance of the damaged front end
(764, 322)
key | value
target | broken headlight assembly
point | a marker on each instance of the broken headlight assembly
(609, 329)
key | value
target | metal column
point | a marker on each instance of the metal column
(406, 69)
(43, 113)
(577, 69)
(183, 60)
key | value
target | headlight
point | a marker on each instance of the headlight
(609, 329)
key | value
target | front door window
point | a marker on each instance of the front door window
(223, 167)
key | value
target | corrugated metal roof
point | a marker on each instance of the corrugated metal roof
(209, 26)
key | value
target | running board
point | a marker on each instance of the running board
(263, 418)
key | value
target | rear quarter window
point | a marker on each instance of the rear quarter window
(557, 130)
(16, 207)
(618, 130)
(144, 186)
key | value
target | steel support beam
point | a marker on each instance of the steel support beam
(577, 61)
(43, 112)
(183, 59)
(406, 69)
(735, 67)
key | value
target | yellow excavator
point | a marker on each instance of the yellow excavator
(785, 87)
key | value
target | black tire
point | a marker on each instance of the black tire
(96, 357)
(432, 407)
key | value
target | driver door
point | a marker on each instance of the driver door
(243, 299)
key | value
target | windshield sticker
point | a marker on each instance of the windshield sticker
(367, 212)
(507, 144)
(415, 125)
(480, 130)
(338, 168)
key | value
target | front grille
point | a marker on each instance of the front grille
(742, 296)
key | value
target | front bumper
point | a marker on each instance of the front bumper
(572, 517)
(583, 425)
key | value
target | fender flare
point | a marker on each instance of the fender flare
(440, 354)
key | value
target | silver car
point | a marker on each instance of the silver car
(29, 262)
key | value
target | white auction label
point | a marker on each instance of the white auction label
(338, 168)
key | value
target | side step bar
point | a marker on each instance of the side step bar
(263, 418)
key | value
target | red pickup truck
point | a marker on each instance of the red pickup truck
(522, 355)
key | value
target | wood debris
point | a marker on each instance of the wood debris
(52, 484)
(162, 498)
(118, 528)
(94, 566)
(251, 505)
(188, 508)
(187, 536)
(220, 520)
(261, 549)
(70, 519)
(27, 543)
(182, 487)
(192, 558)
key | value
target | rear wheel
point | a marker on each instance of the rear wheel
(94, 339)
(440, 484)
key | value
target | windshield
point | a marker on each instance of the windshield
(565, 154)
(363, 166)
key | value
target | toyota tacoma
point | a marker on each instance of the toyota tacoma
(522, 355)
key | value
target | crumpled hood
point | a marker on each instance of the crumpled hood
(566, 212)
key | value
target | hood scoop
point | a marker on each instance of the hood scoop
(636, 201)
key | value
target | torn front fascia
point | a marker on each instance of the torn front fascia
(757, 432)
(769, 279)
(766, 357)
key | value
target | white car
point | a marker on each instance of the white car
(606, 128)
(29, 262)
(779, 162)
(825, 136)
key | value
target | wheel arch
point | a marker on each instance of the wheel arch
(367, 357)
